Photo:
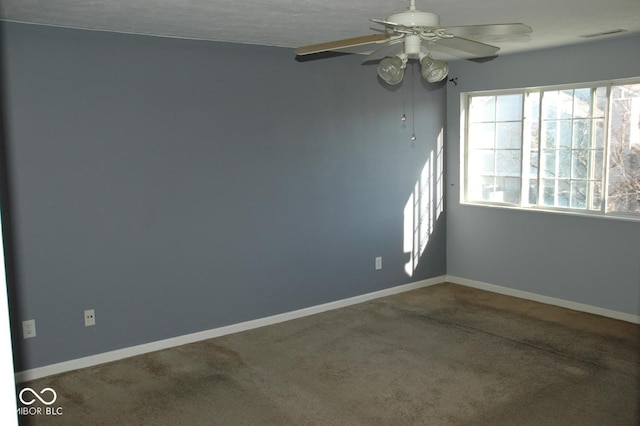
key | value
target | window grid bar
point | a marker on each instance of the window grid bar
(525, 146)
(539, 181)
(465, 153)
(607, 132)
(592, 150)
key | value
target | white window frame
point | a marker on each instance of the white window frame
(465, 99)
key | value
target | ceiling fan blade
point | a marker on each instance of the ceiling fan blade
(393, 26)
(463, 47)
(390, 49)
(488, 30)
(342, 44)
(383, 22)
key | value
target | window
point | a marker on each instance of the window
(572, 148)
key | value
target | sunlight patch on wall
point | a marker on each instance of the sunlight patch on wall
(424, 206)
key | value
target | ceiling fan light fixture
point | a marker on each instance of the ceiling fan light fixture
(391, 70)
(433, 70)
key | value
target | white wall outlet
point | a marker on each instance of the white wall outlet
(89, 317)
(378, 263)
(29, 328)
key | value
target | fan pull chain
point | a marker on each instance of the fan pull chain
(413, 107)
(404, 90)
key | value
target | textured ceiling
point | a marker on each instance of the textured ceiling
(291, 23)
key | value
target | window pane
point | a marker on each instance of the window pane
(623, 192)
(550, 129)
(557, 134)
(476, 188)
(580, 164)
(509, 135)
(508, 190)
(548, 192)
(549, 164)
(596, 195)
(601, 102)
(489, 189)
(578, 194)
(482, 162)
(564, 134)
(557, 104)
(556, 193)
(598, 164)
(481, 135)
(509, 107)
(508, 162)
(534, 118)
(563, 193)
(482, 109)
(599, 138)
(582, 102)
(564, 163)
(581, 133)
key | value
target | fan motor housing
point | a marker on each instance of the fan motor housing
(415, 18)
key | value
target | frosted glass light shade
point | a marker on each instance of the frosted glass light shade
(433, 70)
(391, 70)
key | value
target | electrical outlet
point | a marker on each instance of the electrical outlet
(378, 263)
(29, 328)
(89, 317)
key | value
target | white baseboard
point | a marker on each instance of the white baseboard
(545, 299)
(110, 356)
(75, 364)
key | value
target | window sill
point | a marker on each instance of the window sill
(566, 212)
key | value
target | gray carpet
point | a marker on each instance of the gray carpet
(442, 355)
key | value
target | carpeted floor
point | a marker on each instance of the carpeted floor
(442, 355)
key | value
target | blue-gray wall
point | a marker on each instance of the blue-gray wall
(587, 260)
(177, 185)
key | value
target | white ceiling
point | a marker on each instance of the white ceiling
(292, 23)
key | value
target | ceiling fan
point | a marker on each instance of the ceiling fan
(414, 34)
